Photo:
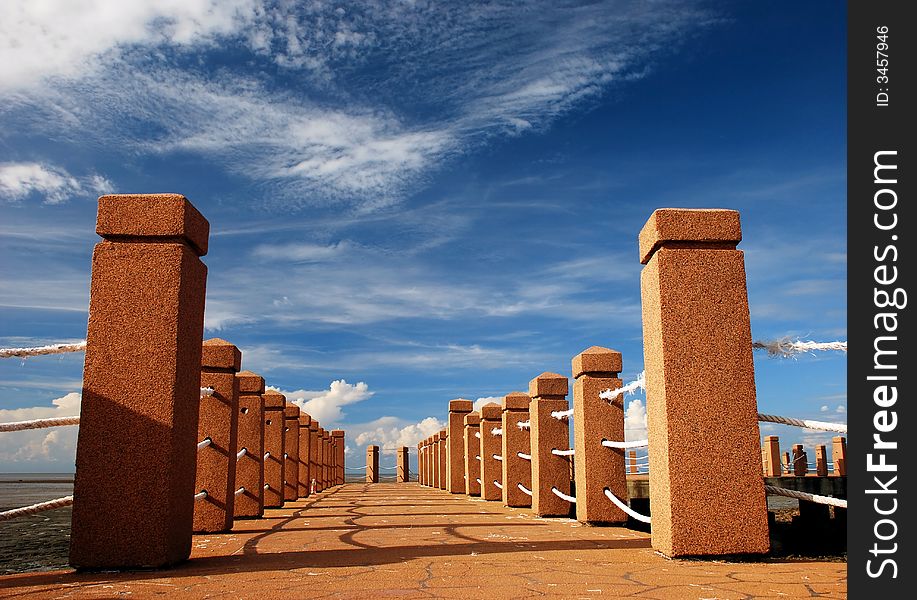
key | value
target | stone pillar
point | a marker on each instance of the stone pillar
(218, 422)
(305, 454)
(420, 462)
(515, 470)
(329, 452)
(787, 463)
(372, 464)
(403, 462)
(438, 475)
(274, 448)
(800, 458)
(821, 460)
(136, 451)
(429, 461)
(700, 387)
(455, 468)
(594, 420)
(291, 457)
(838, 455)
(472, 447)
(443, 457)
(548, 392)
(771, 453)
(250, 466)
(315, 456)
(491, 445)
(632, 457)
(338, 435)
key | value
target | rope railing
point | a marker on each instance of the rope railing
(477, 434)
(806, 423)
(626, 445)
(524, 489)
(524, 456)
(560, 415)
(563, 496)
(42, 350)
(623, 506)
(36, 508)
(267, 455)
(478, 479)
(206, 392)
(830, 501)
(39, 423)
(637, 384)
(204, 443)
(240, 491)
(786, 347)
(497, 457)
(241, 453)
(498, 484)
(524, 424)
(200, 495)
(496, 431)
(557, 452)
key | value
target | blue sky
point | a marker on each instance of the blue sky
(424, 200)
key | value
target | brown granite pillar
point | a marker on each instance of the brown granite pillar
(821, 460)
(800, 461)
(372, 464)
(291, 457)
(274, 448)
(516, 470)
(305, 454)
(491, 446)
(315, 456)
(218, 422)
(437, 464)
(455, 468)
(548, 392)
(771, 452)
(136, 450)
(326, 471)
(338, 435)
(472, 458)
(632, 459)
(838, 455)
(443, 457)
(595, 420)
(250, 465)
(403, 465)
(428, 466)
(700, 387)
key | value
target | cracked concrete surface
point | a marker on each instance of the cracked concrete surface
(404, 540)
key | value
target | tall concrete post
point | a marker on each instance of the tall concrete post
(403, 463)
(443, 456)
(838, 455)
(218, 422)
(472, 458)
(318, 461)
(700, 386)
(250, 465)
(455, 470)
(594, 420)
(274, 448)
(291, 457)
(305, 454)
(329, 458)
(772, 467)
(372, 464)
(339, 448)
(430, 461)
(821, 460)
(421, 462)
(549, 471)
(516, 470)
(800, 458)
(491, 447)
(315, 456)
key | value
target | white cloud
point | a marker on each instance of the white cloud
(824, 408)
(18, 180)
(390, 433)
(325, 406)
(841, 409)
(42, 449)
(635, 421)
(480, 402)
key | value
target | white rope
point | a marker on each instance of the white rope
(498, 457)
(524, 489)
(240, 491)
(204, 443)
(200, 495)
(562, 414)
(524, 456)
(497, 431)
(267, 486)
(498, 484)
(206, 392)
(557, 452)
(563, 496)
(355, 468)
(477, 457)
(786, 347)
(267, 455)
(808, 424)
(42, 350)
(625, 507)
(779, 491)
(626, 445)
(524, 424)
(637, 384)
(478, 479)
(39, 423)
(36, 508)
(241, 453)
(477, 434)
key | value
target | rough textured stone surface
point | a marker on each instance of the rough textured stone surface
(250, 467)
(771, 454)
(700, 387)
(838, 455)
(455, 467)
(443, 456)
(329, 460)
(514, 440)
(437, 464)
(821, 460)
(219, 421)
(594, 420)
(491, 468)
(314, 457)
(412, 542)
(274, 448)
(548, 469)
(429, 461)
(372, 464)
(403, 465)
(548, 385)
(291, 446)
(318, 460)
(472, 447)
(141, 391)
(420, 458)
(687, 228)
(338, 435)
(305, 453)
(165, 217)
(800, 458)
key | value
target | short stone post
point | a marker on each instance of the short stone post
(516, 470)
(549, 471)
(315, 456)
(372, 464)
(771, 453)
(250, 457)
(632, 458)
(291, 457)
(455, 468)
(136, 450)
(800, 461)
(491, 446)
(472, 458)
(338, 435)
(839, 455)
(821, 460)
(305, 454)
(443, 457)
(700, 387)
(218, 423)
(786, 463)
(274, 448)
(402, 460)
(594, 420)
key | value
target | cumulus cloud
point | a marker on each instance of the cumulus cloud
(480, 402)
(390, 433)
(841, 409)
(824, 408)
(325, 406)
(635, 421)
(19, 180)
(51, 449)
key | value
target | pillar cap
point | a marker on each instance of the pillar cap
(491, 412)
(220, 354)
(291, 411)
(597, 359)
(313, 426)
(305, 419)
(460, 405)
(771, 437)
(321, 430)
(699, 225)
(273, 399)
(443, 434)
(250, 383)
(326, 434)
(338, 433)
(548, 384)
(436, 437)
(371, 448)
(472, 418)
(141, 216)
(516, 401)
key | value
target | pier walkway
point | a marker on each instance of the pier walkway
(408, 541)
